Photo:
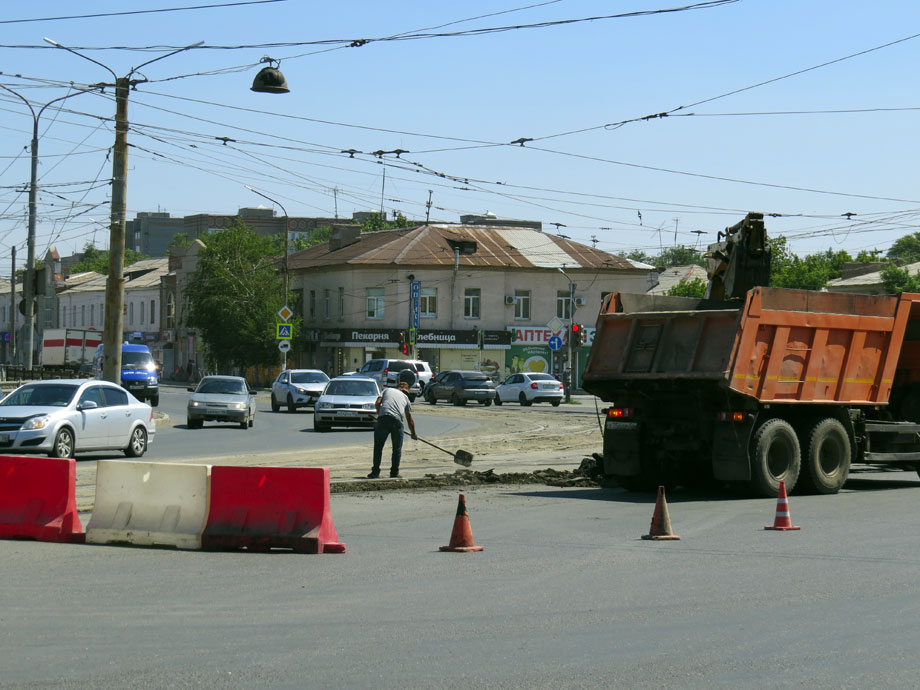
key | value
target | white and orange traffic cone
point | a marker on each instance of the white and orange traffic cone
(661, 521)
(461, 537)
(782, 521)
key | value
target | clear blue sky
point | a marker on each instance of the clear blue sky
(455, 103)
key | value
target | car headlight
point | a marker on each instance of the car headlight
(368, 406)
(323, 405)
(151, 366)
(240, 406)
(301, 391)
(39, 422)
(193, 403)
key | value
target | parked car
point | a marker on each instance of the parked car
(528, 389)
(346, 401)
(61, 417)
(422, 370)
(460, 386)
(221, 399)
(297, 388)
(385, 372)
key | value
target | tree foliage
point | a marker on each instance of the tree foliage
(897, 279)
(98, 259)
(811, 272)
(689, 288)
(234, 295)
(906, 248)
(379, 221)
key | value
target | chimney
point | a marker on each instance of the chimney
(342, 236)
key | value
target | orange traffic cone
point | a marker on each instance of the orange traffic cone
(782, 521)
(661, 521)
(461, 538)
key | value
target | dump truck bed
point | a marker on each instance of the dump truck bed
(780, 346)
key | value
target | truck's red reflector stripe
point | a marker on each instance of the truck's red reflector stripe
(619, 412)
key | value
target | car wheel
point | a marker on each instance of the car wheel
(137, 444)
(63, 444)
(320, 427)
(429, 396)
(290, 403)
(412, 397)
(457, 400)
(194, 423)
(524, 401)
(252, 420)
(275, 405)
(155, 400)
(487, 402)
(498, 400)
(556, 403)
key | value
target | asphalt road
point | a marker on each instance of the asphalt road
(565, 595)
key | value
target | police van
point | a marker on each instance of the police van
(138, 372)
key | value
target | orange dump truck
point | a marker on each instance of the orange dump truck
(790, 385)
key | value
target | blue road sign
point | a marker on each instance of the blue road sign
(554, 343)
(284, 331)
(416, 293)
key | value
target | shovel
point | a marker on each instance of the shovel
(461, 457)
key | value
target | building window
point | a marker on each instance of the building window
(522, 304)
(471, 299)
(374, 303)
(140, 313)
(170, 310)
(73, 314)
(312, 304)
(327, 306)
(63, 316)
(83, 315)
(131, 313)
(92, 315)
(341, 303)
(563, 304)
(428, 303)
(153, 311)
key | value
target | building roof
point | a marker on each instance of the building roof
(672, 276)
(873, 279)
(140, 275)
(433, 245)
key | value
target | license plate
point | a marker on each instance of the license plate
(348, 413)
(621, 426)
(216, 411)
(135, 384)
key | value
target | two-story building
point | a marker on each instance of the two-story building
(441, 285)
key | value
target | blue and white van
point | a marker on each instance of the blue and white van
(138, 372)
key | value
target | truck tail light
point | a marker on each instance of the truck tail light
(730, 416)
(619, 412)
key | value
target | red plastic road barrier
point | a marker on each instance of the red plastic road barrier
(38, 499)
(262, 508)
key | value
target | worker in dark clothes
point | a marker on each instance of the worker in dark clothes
(392, 409)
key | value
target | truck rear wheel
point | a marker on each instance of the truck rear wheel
(777, 457)
(826, 463)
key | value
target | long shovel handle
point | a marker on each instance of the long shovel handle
(434, 445)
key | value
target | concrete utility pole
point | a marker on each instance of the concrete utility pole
(113, 323)
(568, 376)
(28, 283)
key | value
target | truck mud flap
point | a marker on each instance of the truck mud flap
(621, 448)
(730, 457)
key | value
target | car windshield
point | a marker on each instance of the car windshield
(223, 386)
(399, 366)
(475, 378)
(136, 360)
(541, 377)
(41, 395)
(356, 388)
(309, 377)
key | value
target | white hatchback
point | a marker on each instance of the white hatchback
(529, 388)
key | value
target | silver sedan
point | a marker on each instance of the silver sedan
(221, 399)
(62, 417)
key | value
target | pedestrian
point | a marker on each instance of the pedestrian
(392, 408)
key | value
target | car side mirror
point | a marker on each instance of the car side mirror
(87, 405)
(191, 389)
(252, 392)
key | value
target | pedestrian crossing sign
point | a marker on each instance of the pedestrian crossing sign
(285, 331)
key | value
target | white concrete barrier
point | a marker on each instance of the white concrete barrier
(150, 504)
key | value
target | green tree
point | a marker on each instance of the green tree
(689, 288)
(679, 256)
(234, 295)
(806, 273)
(906, 248)
(378, 221)
(98, 259)
(640, 256)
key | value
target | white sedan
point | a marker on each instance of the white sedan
(528, 389)
(297, 388)
(61, 417)
(347, 401)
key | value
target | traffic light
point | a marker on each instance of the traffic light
(403, 345)
(577, 335)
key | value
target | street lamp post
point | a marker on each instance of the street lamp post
(284, 264)
(113, 323)
(568, 340)
(28, 285)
